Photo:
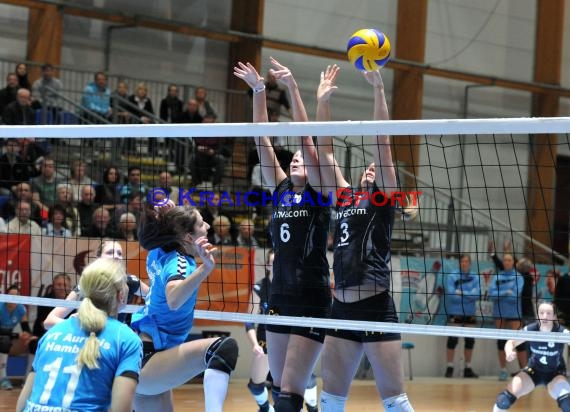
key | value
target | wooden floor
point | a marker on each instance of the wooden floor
(426, 395)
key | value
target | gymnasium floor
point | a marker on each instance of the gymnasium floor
(426, 394)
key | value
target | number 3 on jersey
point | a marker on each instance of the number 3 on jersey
(344, 229)
(284, 233)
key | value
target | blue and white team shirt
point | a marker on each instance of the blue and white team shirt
(9, 320)
(470, 286)
(167, 328)
(546, 356)
(60, 385)
(505, 291)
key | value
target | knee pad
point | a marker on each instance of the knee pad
(469, 343)
(452, 342)
(564, 402)
(222, 355)
(256, 388)
(505, 400)
(275, 391)
(501, 344)
(332, 403)
(288, 402)
(398, 403)
(312, 381)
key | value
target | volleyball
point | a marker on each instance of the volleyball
(368, 49)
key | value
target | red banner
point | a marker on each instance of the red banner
(15, 262)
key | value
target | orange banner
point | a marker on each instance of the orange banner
(15, 262)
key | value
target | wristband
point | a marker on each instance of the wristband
(259, 89)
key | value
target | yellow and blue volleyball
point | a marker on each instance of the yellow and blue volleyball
(368, 49)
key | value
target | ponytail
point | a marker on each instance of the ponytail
(92, 320)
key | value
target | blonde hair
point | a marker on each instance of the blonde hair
(100, 282)
(408, 211)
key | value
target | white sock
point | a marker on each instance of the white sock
(332, 403)
(262, 397)
(215, 389)
(398, 403)
(311, 396)
(3, 361)
(497, 409)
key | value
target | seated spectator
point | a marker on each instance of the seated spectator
(12, 343)
(44, 186)
(210, 157)
(211, 209)
(22, 73)
(121, 109)
(78, 179)
(33, 153)
(45, 89)
(101, 225)
(65, 200)
(3, 227)
(141, 100)
(23, 192)
(86, 207)
(13, 169)
(191, 114)
(127, 227)
(22, 224)
(59, 289)
(165, 182)
(107, 193)
(134, 184)
(222, 232)
(171, 106)
(246, 234)
(19, 112)
(204, 106)
(56, 225)
(134, 205)
(8, 93)
(97, 98)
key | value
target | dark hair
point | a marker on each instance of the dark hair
(106, 175)
(47, 66)
(464, 256)
(99, 74)
(131, 168)
(13, 286)
(176, 223)
(58, 208)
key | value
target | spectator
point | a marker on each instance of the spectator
(101, 225)
(204, 106)
(45, 89)
(128, 227)
(107, 193)
(8, 94)
(246, 233)
(56, 225)
(462, 290)
(44, 186)
(505, 291)
(119, 104)
(165, 182)
(86, 207)
(141, 100)
(97, 98)
(222, 232)
(171, 106)
(22, 224)
(59, 288)
(22, 73)
(134, 205)
(78, 179)
(13, 168)
(20, 112)
(275, 96)
(33, 153)
(191, 114)
(211, 210)
(23, 192)
(13, 343)
(65, 200)
(134, 184)
(210, 157)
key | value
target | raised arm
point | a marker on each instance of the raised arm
(385, 171)
(272, 171)
(331, 175)
(59, 314)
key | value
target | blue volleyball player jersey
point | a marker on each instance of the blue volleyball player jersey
(166, 327)
(9, 320)
(61, 385)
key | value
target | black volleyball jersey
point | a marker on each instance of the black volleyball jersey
(546, 356)
(362, 238)
(299, 227)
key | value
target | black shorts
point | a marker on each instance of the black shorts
(299, 306)
(541, 377)
(461, 320)
(148, 352)
(378, 308)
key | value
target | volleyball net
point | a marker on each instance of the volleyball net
(490, 189)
